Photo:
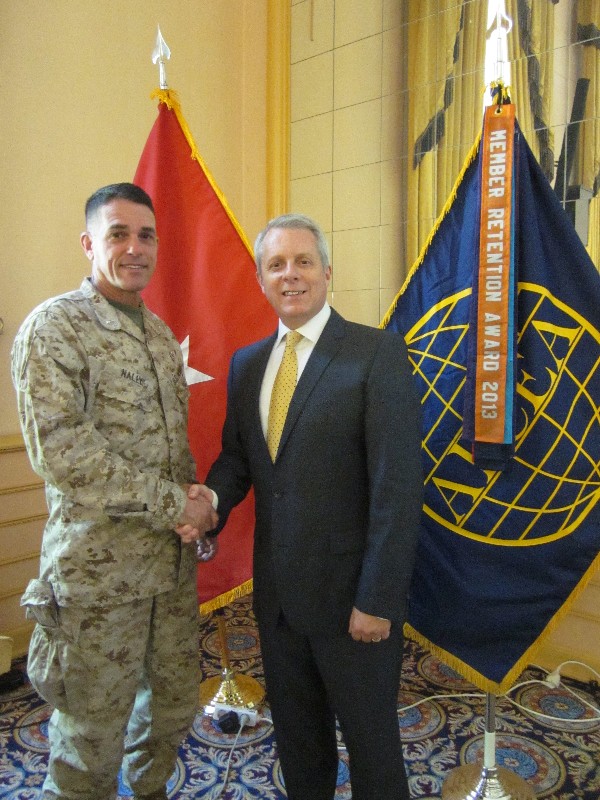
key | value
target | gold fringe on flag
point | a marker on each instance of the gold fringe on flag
(479, 680)
(227, 597)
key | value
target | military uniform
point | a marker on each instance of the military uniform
(103, 408)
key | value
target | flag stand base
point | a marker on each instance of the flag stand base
(231, 690)
(486, 781)
(475, 782)
(228, 688)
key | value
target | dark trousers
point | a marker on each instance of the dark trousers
(310, 681)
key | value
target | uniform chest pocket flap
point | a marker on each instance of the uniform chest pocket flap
(116, 384)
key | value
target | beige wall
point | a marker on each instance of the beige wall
(76, 76)
(345, 85)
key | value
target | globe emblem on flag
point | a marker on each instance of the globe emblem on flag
(553, 480)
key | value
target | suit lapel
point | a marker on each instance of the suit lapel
(325, 349)
(249, 378)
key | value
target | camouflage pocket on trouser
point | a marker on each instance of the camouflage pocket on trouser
(47, 643)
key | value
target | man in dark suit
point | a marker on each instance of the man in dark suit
(338, 502)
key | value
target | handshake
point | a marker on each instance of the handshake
(199, 516)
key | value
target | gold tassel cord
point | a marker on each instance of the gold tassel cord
(500, 93)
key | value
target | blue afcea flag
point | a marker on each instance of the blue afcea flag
(503, 553)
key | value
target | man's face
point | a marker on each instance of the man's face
(121, 243)
(292, 276)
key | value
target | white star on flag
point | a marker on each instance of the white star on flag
(192, 375)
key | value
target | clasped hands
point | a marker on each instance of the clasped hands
(198, 517)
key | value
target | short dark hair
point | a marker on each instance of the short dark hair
(116, 191)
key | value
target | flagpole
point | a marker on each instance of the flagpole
(228, 688)
(501, 32)
(240, 691)
(486, 781)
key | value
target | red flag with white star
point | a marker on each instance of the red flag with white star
(205, 289)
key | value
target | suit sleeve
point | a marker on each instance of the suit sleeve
(393, 436)
(229, 476)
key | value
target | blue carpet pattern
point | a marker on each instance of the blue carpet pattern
(560, 759)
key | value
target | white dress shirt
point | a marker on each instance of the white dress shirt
(311, 331)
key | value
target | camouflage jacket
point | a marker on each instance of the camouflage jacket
(103, 410)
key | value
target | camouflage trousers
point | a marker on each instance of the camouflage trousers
(130, 676)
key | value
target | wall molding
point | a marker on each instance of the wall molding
(26, 487)
(20, 639)
(18, 509)
(23, 520)
(12, 593)
(278, 106)
(551, 655)
(32, 556)
(11, 443)
(585, 615)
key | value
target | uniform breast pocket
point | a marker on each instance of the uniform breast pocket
(123, 397)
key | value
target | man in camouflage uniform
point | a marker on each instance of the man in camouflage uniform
(103, 406)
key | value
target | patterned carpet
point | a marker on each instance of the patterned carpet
(559, 759)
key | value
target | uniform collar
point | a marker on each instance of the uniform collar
(110, 318)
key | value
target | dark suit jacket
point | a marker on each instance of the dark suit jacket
(337, 514)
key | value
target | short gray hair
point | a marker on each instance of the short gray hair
(298, 221)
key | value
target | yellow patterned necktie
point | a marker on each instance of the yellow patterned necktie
(283, 389)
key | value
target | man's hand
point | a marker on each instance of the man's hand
(195, 491)
(366, 628)
(198, 516)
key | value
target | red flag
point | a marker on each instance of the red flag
(205, 289)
